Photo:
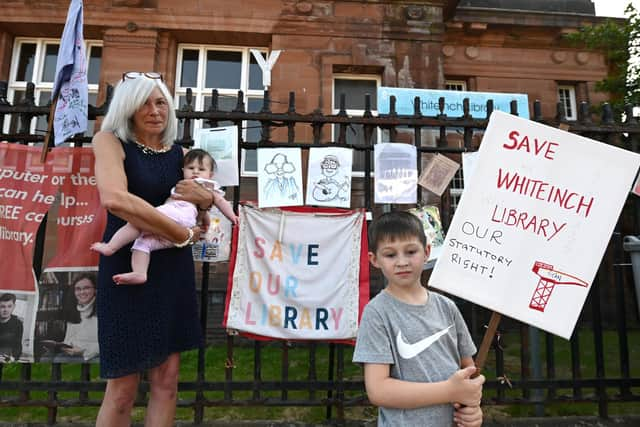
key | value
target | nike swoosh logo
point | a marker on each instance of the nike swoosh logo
(408, 351)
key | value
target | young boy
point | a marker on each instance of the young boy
(10, 329)
(197, 164)
(413, 343)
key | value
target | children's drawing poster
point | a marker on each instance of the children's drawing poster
(531, 229)
(279, 177)
(329, 177)
(222, 144)
(429, 216)
(298, 273)
(215, 244)
(396, 173)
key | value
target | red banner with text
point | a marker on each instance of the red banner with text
(80, 219)
(27, 190)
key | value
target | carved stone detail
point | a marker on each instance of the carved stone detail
(582, 57)
(304, 7)
(559, 56)
(414, 13)
(471, 52)
(448, 50)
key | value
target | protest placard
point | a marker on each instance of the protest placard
(531, 229)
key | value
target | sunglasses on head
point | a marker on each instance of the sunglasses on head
(136, 74)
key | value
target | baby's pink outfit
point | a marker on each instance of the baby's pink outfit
(182, 212)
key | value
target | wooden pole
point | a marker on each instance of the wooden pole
(481, 357)
(47, 136)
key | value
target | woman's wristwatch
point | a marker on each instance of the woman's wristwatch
(187, 242)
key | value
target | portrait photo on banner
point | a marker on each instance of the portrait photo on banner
(67, 323)
(17, 321)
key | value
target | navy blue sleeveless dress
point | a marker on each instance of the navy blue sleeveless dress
(139, 326)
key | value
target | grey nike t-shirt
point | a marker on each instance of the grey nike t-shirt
(422, 343)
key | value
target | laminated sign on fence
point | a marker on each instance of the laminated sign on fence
(298, 273)
(531, 229)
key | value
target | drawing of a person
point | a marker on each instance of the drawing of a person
(328, 188)
(280, 183)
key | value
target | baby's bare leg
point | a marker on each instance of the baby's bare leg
(139, 265)
(125, 235)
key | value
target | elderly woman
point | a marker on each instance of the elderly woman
(144, 327)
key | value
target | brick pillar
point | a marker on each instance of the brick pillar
(582, 92)
(6, 45)
(127, 51)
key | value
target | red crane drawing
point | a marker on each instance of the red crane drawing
(549, 278)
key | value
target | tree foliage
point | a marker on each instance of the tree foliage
(619, 43)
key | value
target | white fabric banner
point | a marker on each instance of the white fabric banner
(532, 226)
(296, 275)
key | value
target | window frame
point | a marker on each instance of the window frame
(354, 112)
(457, 85)
(571, 90)
(201, 92)
(38, 68)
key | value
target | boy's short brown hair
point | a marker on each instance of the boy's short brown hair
(395, 225)
(8, 297)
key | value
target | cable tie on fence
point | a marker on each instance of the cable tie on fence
(229, 364)
(232, 332)
(497, 339)
(504, 380)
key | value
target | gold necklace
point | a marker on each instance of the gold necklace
(149, 150)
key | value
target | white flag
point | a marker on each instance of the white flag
(70, 84)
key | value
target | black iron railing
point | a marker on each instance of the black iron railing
(526, 367)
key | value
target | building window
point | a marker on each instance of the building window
(567, 96)
(355, 87)
(229, 70)
(459, 85)
(455, 189)
(34, 60)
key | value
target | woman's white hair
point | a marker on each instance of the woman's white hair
(128, 97)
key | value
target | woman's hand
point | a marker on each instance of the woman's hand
(197, 231)
(73, 351)
(190, 191)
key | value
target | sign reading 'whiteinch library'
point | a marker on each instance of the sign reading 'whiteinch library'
(530, 230)
(453, 105)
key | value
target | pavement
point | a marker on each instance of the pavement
(626, 421)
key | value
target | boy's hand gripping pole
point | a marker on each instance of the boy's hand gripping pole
(481, 357)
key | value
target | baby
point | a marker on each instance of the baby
(199, 165)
